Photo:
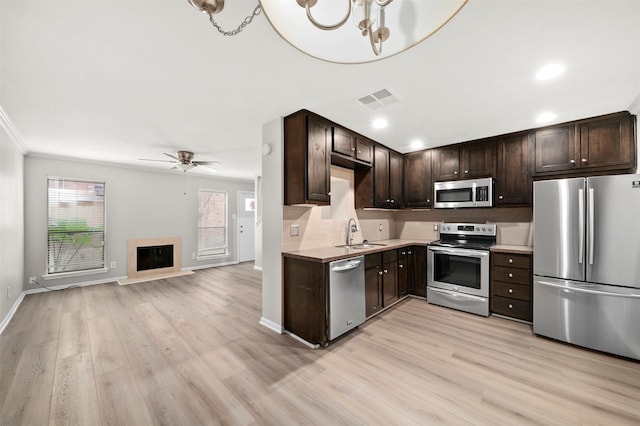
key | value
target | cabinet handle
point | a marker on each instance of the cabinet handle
(393, 201)
(573, 163)
(510, 275)
(466, 172)
(400, 266)
(428, 201)
(380, 273)
(510, 260)
(500, 197)
(409, 252)
(455, 173)
(510, 290)
(353, 149)
(510, 306)
(585, 161)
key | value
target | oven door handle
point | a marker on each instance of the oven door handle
(457, 295)
(460, 252)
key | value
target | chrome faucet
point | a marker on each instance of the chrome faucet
(352, 227)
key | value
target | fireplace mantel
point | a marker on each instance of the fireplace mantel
(135, 276)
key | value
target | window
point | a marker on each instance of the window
(75, 226)
(212, 223)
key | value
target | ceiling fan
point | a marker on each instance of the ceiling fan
(183, 160)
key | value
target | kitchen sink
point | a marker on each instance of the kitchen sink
(362, 245)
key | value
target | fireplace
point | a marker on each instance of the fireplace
(153, 259)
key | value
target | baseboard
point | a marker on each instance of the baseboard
(82, 284)
(12, 311)
(214, 265)
(301, 340)
(271, 325)
(257, 268)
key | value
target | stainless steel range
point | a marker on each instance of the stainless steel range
(458, 267)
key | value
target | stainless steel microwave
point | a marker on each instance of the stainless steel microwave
(463, 193)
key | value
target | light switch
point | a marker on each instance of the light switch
(294, 231)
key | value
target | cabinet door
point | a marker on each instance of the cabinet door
(513, 180)
(389, 277)
(418, 275)
(417, 179)
(478, 159)
(396, 167)
(364, 149)
(318, 160)
(381, 177)
(607, 143)
(403, 272)
(373, 289)
(445, 163)
(344, 141)
(555, 149)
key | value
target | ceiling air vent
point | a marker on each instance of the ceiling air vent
(378, 99)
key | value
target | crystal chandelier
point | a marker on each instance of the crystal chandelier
(411, 20)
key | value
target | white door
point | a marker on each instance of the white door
(246, 226)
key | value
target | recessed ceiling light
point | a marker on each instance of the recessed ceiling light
(546, 117)
(380, 123)
(416, 144)
(550, 71)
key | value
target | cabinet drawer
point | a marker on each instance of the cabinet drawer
(372, 260)
(512, 260)
(511, 307)
(513, 291)
(511, 275)
(389, 256)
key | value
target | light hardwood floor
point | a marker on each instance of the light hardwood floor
(190, 351)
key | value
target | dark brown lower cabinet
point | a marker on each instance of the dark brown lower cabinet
(418, 270)
(389, 277)
(511, 285)
(403, 272)
(373, 283)
(305, 299)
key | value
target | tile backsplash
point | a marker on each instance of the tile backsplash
(321, 227)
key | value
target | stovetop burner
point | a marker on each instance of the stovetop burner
(478, 236)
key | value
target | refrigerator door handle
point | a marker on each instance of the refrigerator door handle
(588, 290)
(591, 225)
(581, 225)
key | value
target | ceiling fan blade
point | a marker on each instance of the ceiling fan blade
(207, 163)
(172, 156)
(151, 159)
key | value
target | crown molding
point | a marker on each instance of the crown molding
(12, 132)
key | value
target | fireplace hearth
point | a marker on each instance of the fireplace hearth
(153, 259)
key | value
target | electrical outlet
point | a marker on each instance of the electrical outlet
(294, 231)
(32, 280)
(380, 227)
(8, 292)
(113, 265)
(435, 228)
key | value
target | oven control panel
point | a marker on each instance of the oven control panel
(486, 229)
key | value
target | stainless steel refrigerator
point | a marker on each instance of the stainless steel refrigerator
(586, 262)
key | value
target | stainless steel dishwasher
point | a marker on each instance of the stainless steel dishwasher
(346, 295)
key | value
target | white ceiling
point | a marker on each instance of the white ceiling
(121, 80)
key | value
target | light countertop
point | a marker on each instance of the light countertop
(503, 248)
(329, 254)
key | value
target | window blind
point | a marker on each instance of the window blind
(76, 232)
(212, 223)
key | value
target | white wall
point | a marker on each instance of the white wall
(140, 204)
(11, 223)
(272, 197)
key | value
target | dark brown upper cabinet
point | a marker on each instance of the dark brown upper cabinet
(387, 178)
(418, 189)
(463, 161)
(445, 163)
(307, 159)
(350, 146)
(513, 181)
(596, 144)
